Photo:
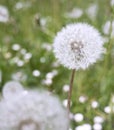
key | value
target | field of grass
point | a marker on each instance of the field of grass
(26, 55)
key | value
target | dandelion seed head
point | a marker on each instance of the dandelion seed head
(78, 45)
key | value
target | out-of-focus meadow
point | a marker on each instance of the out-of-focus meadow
(27, 30)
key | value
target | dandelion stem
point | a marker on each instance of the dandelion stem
(70, 90)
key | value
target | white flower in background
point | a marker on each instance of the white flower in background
(78, 45)
(16, 47)
(94, 104)
(92, 11)
(106, 28)
(49, 77)
(36, 73)
(32, 110)
(42, 59)
(20, 63)
(22, 5)
(78, 117)
(47, 82)
(23, 51)
(65, 103)
(4, 14)
(107, 109)
(97, 126)
(82, 99)
(84, 127)
(66, 88)
(98, 119)
(11, 89)
(75, 13)
(112, 2)
(27, 56)
(47, 46)
(19, 76)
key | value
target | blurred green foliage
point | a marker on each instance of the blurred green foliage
(33, 26)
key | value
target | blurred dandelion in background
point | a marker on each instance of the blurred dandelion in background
(30, 110)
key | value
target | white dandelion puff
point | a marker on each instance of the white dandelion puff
(78, 45)
(33, 110)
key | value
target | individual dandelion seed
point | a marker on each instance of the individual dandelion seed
(77, 46)
(32, 110)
